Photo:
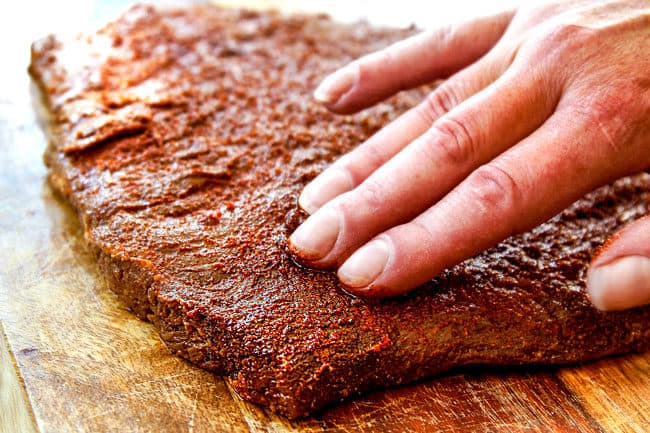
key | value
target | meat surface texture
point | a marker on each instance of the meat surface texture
(183, 137)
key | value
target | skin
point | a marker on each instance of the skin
(539, 107)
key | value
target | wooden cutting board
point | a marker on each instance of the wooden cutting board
(73, 359)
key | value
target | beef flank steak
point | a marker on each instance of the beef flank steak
(183, 137)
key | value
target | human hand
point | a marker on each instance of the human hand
(542, 106)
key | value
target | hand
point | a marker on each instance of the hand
(542, 106)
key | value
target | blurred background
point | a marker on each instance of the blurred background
(23, 21)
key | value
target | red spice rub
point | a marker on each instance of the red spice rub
(183, 138)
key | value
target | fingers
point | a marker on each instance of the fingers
(494, 202)
(409, 63)
(423, 172)
(619, 277)
(352, 169)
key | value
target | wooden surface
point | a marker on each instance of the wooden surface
(72, 359)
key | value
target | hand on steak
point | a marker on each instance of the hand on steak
(540, 106)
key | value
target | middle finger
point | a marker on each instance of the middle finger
(417, 177)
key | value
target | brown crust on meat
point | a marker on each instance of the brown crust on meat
(183, 137)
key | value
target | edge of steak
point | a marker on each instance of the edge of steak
(183, 137)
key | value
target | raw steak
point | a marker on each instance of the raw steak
(183, 138)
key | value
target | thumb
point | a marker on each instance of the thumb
(619, 275)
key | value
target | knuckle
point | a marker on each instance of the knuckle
(557, 43)
(373, 156)
(562, 32)
(494, 189)
(438, 103)
(457, 144)
(366, 198)
(448, 141)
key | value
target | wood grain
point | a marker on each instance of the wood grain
(16, 414)
(614, 407)
(73, 359)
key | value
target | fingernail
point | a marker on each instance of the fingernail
(623, 283)
(324, 188)
(364, 266)
(335, 85)
(315, 238)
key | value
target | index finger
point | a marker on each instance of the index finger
(506, 196)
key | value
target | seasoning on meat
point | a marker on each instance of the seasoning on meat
(183, 137)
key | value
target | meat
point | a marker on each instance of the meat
(183, 137)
